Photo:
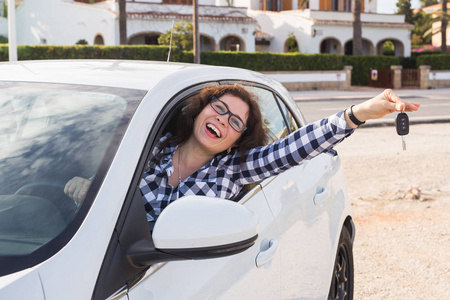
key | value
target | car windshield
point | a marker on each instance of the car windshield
(50, 133)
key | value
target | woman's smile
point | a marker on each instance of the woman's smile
(213, 131)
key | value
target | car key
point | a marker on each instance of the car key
(402, 125)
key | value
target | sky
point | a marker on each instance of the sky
(390, 7)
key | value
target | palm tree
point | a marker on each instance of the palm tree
(444, 23)
(357, 32)
(122, 22)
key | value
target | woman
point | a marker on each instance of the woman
(217, 147)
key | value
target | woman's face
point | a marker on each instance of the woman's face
(213, 131)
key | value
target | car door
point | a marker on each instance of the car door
(254, 273)
(300, 199)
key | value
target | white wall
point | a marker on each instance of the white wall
(215, 30)
(4, 27)
(251, 4)
(216, 27)
(314, 5)
(56, 22)
(370, 6)
(279, 25)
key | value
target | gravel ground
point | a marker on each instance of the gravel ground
(401, 203)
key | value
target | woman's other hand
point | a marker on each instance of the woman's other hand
(76, 188)
(385, 103)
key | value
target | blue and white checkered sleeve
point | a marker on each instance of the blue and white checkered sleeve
(302, 144)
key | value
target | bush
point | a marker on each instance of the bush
(362, 65)
(82, 42)
(257, 61)
(143, 52)
(408, 62)
(265, 61)
(426, 50)
(436, 62)
(4, 52)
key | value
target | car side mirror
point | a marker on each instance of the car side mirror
(197, 227)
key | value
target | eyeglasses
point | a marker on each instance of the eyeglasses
(222, 109)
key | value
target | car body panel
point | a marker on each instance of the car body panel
(285, 206)
(306, 244)
(25, 284)
(197, 279)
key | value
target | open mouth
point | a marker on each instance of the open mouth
(213, 130)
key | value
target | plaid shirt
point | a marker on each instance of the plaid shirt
(225, 175)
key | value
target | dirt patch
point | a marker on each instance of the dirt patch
(402, 246)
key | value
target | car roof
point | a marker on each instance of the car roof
(142, 75)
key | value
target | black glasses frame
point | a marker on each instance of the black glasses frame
(215, 99)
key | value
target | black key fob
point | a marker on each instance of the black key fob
(402, 124)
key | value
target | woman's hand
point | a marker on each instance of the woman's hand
(76, 188)
(385, 103)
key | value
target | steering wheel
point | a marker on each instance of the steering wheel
(52, 190)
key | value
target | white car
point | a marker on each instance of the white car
(286, 237)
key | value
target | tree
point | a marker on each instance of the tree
(291, 43)
(182, 36)
(357, 31)
(122, 22)
(422, 25)
(444, 24)
(404, 7)
(441, 17)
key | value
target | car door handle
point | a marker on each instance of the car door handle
(320, 196)
(266, 256)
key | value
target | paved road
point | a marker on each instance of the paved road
(315, 105)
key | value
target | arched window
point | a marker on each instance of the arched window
(98, 40)
(206, 43)
(331, 46)
(145, 38)
(232, 43)
(291, 45)
(390, 47)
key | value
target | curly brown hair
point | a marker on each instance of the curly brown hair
(254, 136)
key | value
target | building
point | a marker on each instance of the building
(327, 27)
(323, 26)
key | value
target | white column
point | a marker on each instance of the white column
(12, 30)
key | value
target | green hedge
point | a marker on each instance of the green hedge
(436, 62)
(266, 61)
(363, 64)
(257, 61)
(158, 53)
(408, 62)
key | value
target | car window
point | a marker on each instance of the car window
(289, 118)
(48, 135)
(272, 118)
